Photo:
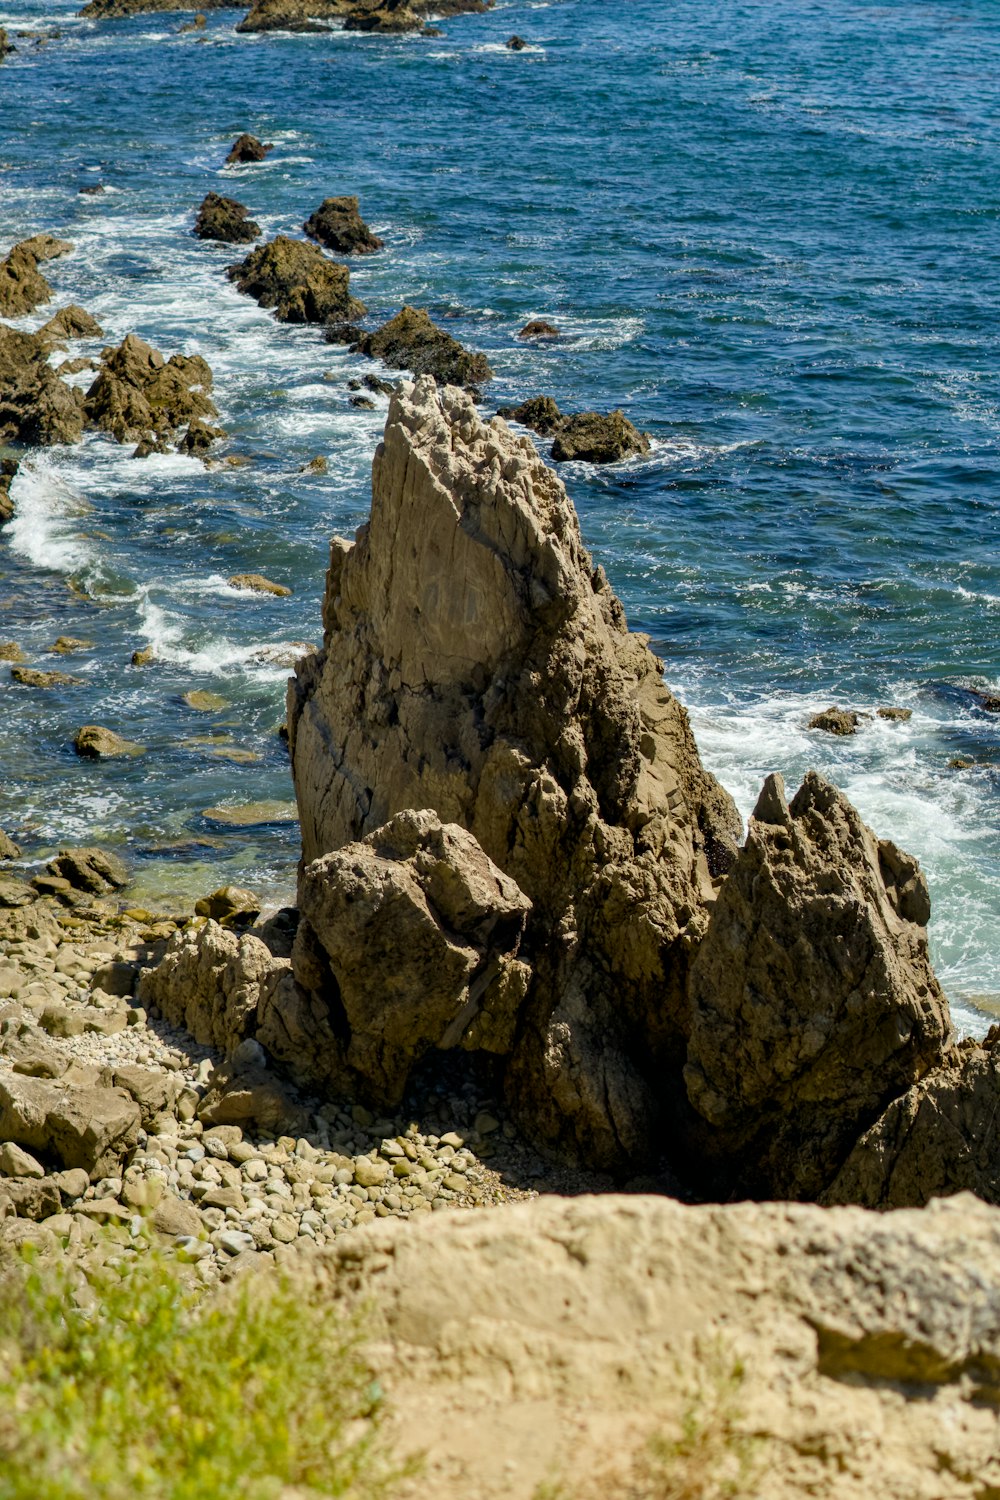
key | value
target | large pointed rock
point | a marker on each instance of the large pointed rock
(475, 663)
(813, 1000)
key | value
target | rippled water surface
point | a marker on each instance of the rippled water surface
(767, 230)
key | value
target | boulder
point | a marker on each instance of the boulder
(256, 583)
(476, 664)
(515, 43)
(298, 281)
(937, 1138)
(103, 10)
(224, 219)
(540, 413)
(813, 1002)
(70, 322)
(209, 981)
(31, 1198)
(773, 1351)
(411, 341)
(36, 407)
(197, 440)
(92, 742)
(22, 285)
(539, 329)
(248, 148)
(88, 869)
(594, 438)
(230, 906)
(8, 848)
(31, 677)
(253, 1099)
(153, 1090)
(66, 645)
(89, 1128)
(833, 720)
(338, 226)
(139, 395)
(415, 934)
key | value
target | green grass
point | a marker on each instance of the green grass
(134, 1384)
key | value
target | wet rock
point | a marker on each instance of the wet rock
(88, 869)
(256, 583)
(230, 906)
(224, 219)
(36, 407)
(298, 281)
(340, 332)
(197, 23)
(411, 341)
(476, 664)
(337, 224)
(539, 329)
(317, 465)
(896, 715)
(8, 468)
(102, 10)
(6, 47)
(92, 190)
(813, 1000)
(416, 934)
(209, 982)
(8, 848)
(71, 322)
(203, 701)
(540, 413)
(253, 814)
(248, 148)
(66, 645)
(142, 657)
(833, 720)
(364, 403)
(93, 742)
(288, 15)
(139, 395)
(515, 43)
(11, 651)
(387, 17)
(594, 438)
(31, 677)
(988, 701)
(22, 285)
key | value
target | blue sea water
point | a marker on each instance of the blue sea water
(768, 229)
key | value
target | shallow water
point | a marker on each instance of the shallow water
(769, 231)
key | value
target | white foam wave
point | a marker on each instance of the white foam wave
(47, 510)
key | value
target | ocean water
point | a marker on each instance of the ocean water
(768, 229)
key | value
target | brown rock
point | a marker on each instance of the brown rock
(14, 893)
(22, 285)
(36, 407)
(591, 437)
(539, 329)
(139, 395)
(31, 677)
(197, 23)
(258, 584)
(411, 341)
(515, 43)
(8, 468)
(173, 1217)
(224, 219)
(80, 1127)
(88, 869)
(895, 715)
(247, 148)
(835, 720)
(32, 1198)
(418, 933)
(209, 981)
(70, 322)
(155, 1092)
(230, 905)
(252, 1099)
(45, 247)
(337, 224)
(476, 664)
(287, 15)
(298, 281)
(540, 413)
(8, 848)
(389, 16)
(65, 645)
(94, 743)
(813, 1000)
(11, 651)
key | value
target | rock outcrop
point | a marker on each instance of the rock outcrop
(248, 148)
(388, 16)
(298, 281)
(70, 322)
(94, 742)
(813, 1002)
(338, 226)
(476, 664)
(836, 1353)
(412, 341)
(209, 981)
(36, 407)
(104, 10)
(8, 469)
(22, 285)
(588, 436)
(939, 1137)
(90, 869)
(88, 1128)
(224, 219)
(141, 397)
(288, 15)
(833, 720)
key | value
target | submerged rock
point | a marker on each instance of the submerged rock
(539, 329)
(36, 407)
(140, 396)
(476, 664)
(297, 281)
(540, 413)
(224, 219)
(515, 43)
(31, 677)
(256, 583)
(337, 224)
(248, 148)
(813, 1001)
(411, 341)
(5, 47)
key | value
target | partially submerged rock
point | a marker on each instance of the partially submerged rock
(388, 16)
(8, 468)
(476, 664)
(287, 15)
(89, 869)
(337, 224)
(256, 583)
(589, 436)
(70, 322)
(298, 281)
(33, 678)
(248, 148)
(538, 328)
(833, 720)
(103, 10)
(411, 341)
(93, 742)
(8, 848)
(224, 219)
(36, 407)
(813, 999)
(22, 285)
(141, 397)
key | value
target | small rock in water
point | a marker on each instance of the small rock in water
(92, 742)
(67, 643)
(205, 702)
(258, 584)
(515, 43)
(896, 715)
(835, 720)
(539, 329)
(248, 148)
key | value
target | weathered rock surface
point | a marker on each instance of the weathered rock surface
(538, 328)
(337, 224)
(416, 932)
(70, 322)
(33, 678)
(833, 720)
(937, 1138)
(209, 981)
(298, 281)
(22, 285)
(103, 10)
(813, 1000)
(8, 848)
(8, 468)
(36, 407)
(388, 16)
(288, 15)
(248, 148)
(476, 664)
(140, 396)
(6, 47)
(224, 219)
(256, 583)
(588, 436)
(90, 869)
(79, 1127)
(93, 742)
(412, 341)
(545, 1342)
(230, 906)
